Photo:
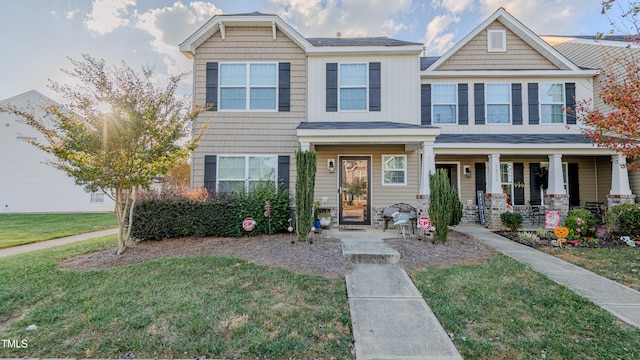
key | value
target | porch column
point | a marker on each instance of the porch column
(556, 180)
(494, 186)
(620, 190)
(556, 198)
(305, 146)
(428, 167)
(495, 201)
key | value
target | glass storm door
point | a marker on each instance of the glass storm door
(355, 177)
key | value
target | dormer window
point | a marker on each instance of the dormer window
(496, 40)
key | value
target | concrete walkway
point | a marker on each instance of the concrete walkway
(55, 242)
(619, 300)
(390, 318)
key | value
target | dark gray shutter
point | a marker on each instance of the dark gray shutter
(211, 95)
(481, 179)
(283, 172)
(284, 86)
(574, 184)
(518, 178)
(534, 184)
(463, 104)
(570, 102)
(332, 87)
(425, 104)
(516, 104)
(478, 99)
(210, 164)
(374, 86)
(534, 110)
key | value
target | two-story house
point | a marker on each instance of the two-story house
(491, 111)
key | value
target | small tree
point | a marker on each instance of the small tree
(440, 204)
(305, 184)
(116, 132)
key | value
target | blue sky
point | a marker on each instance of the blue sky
(38, 36)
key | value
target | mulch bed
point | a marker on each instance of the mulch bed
(323, 257)
(610, 241)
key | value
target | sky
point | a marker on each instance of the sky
(39, 36)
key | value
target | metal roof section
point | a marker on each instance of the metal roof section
(360, 125)
(380, 132)
(364, 41)
(515, 138)
(427, 61)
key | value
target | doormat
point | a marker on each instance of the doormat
(352, 229)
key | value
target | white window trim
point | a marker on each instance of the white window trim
(246, 169)
(510, 182)
(563, 103)
(366, 87)
(491, 46)
(405, 170)
(486, 105)
(247, 86)
(455, 104)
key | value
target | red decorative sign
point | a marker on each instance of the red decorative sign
(424, 223)
(551, 219)
(248, 224)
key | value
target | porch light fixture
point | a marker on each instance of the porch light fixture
(331, 165)
(467, 171)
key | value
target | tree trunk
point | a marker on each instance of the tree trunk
(121, 215)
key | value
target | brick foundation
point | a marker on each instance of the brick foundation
(557, 202)
(494, 205)
(613, 200)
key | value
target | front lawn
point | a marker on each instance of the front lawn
(503, 309)
(184, 308)
(621, 264)
(20, 229)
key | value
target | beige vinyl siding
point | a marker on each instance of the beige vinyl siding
(400, 84)
(519, 55)
(634, 183)
(250, 132)
(604, 178)
(380, 196)
(584, 90)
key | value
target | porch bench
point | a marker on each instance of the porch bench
(387, 214)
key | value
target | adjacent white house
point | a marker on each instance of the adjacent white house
(27, 183)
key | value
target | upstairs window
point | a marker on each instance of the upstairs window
(444, 103)
(353, 87)
(551, 103)
(248, 86)
(496, 40)
(498, 101)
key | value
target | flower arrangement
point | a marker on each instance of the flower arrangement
(577, 227)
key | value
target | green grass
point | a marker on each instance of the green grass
(618, 264)
(189, 307)
(20, 229)
(504, 310)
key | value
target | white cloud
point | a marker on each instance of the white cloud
(169, 26)
(437, 39)
(324, 18)
(108, 15)
(71, 14)
(454, 6)
(544, 17)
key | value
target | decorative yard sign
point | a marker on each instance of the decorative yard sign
(480, 196)
(551, 219)
(424, 223)
(248, 224)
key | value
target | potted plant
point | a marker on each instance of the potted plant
(325, 218)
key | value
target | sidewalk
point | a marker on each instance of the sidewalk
(390, 318)
(619, 300)
(55, 242)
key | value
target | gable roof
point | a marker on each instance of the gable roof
(520, 30)
(320, 46)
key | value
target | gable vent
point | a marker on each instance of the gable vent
(496, 40)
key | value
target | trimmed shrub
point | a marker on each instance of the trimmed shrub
(625, 219)
(456, 208)
(171, 214)
(585, 215)
(511, 220)
(577, 226)
(440, 208)
(306, 164)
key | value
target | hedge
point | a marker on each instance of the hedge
(171, 214)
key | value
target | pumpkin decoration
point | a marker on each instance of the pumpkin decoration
(561, 232)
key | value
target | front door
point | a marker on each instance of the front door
(355, 177)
